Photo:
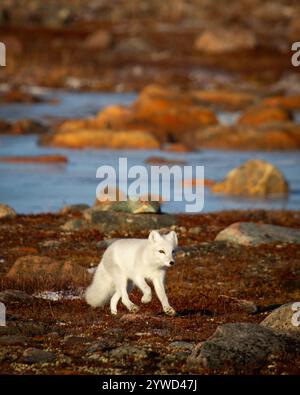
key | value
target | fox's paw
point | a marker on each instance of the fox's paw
(113, 312)
(146, 298)
(169, 310)
(133, 308)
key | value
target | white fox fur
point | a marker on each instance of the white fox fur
(130, 262)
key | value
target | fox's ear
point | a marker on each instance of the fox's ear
(172, 236)
(154, 236)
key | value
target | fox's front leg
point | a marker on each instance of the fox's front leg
(159, 287)
(144, 287)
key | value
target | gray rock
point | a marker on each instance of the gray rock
(107, 221)
(128, 351)
(14, 295)
(182, 345)
(35, 355)
(7, 211)
(252, 234)
(285, 318)
(243, 346)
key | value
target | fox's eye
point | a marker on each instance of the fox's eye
(162, 251)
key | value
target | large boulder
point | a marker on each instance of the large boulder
(285, 318)
(44, 269)
(267, 137)
(255, 178)
(259, 115)
(107, 221)
(7, 211)
(243, 346)
(225, 40)
(253, 234)
(102, 138)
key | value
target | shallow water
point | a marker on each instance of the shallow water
(41, 188)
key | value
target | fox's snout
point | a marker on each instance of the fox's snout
(172, 263)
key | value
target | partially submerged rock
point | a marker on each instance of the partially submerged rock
(259, 115)
(253, 234)
(102, 138)
(266, 136)
(255, 178)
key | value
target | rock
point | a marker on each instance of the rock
(171, 114)
(225, 40)
(129, 206)
(127, 351)
(28, 126)
(244, 305)
(42, 268)
(99, 40)
(182, 345)
(44, 159)
(224, 99)
(255, 178)
(14, 295)
(285, 318)
(270, 136)
(158, 160)
(287, 102)
(259, 115)
(115, 117)
(6, 211)
(176, 147)
(74, 208)
(252, 234)
(97, 138)
(75, 224)
(35, 355)
(107, 221)
(243, 346)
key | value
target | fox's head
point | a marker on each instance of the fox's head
(164, 247)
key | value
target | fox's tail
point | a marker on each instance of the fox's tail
(101, 289)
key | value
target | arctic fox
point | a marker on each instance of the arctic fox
(130, 262)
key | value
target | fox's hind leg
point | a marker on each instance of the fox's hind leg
(122, 284)
(114, 302)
